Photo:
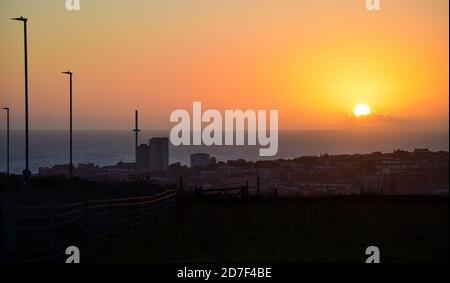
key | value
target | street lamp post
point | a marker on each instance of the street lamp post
(7, 139)
(70, 162)
(26, 172)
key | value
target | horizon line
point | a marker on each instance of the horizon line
(285, 129)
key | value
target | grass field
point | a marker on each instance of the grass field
(406, 229)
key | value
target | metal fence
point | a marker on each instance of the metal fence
(42, 233)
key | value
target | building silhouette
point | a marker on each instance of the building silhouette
(200, 160)
(159, 154)
(154, 156)
(142, 157)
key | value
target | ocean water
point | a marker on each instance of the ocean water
(107, 147)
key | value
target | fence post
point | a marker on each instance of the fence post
(181, 188)
(85, 231)
(142, 210)
(53, 228)
(9, 225)
(258, 187)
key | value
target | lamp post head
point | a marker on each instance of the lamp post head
(22, 19)
(68, 73)
(5, 108)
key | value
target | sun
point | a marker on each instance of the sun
(362, 110)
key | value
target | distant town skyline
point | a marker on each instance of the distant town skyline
(314, 61)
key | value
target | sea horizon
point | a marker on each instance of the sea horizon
(108, 147)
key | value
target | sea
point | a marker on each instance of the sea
(108, 147)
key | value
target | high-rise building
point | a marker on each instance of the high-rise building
(143, 157)
(159, 154)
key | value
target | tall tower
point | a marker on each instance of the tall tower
(136, 134)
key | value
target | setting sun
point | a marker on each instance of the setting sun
(362, 110)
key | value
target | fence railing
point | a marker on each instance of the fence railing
(42, 233)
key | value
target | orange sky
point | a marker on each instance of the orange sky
(313, 60)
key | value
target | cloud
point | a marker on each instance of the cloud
(376, 120)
